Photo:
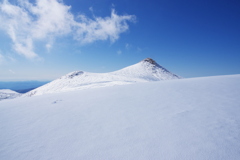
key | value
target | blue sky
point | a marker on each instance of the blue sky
(45, 39)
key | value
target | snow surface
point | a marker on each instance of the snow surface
(8, 94)
(144, 71)
(169, 120)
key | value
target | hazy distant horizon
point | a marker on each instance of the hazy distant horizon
(21, 86)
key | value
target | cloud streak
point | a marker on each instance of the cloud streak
(11, 71)
(1, 58)
(46, 20)
(119, 52)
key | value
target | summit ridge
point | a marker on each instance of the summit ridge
(146, 70)
(150, 60)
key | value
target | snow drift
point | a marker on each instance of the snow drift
(144, 71)
(169, 120)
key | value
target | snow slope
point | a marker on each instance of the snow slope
(8, 94)
(144, 71)
(169, 120)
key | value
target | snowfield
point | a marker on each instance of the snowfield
(8, 94)
(145, 71)
(184, 119)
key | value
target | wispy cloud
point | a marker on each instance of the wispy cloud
(127, 46)
(139, 49)
(91, 9)
(119, 52)
(10, 58)
(11, 71)
(90, 30)
(46, 20)
(6, 58)
(1, 58)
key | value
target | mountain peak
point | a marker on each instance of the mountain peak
(145, 71)
(150, 60)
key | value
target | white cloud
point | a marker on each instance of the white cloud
(90, 30)
(48, 46)
(46, 20)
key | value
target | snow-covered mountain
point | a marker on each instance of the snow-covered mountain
(186, 119)
(8, 94)
(144, 71)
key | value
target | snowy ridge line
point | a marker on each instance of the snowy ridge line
(145, 71)
(8, 94)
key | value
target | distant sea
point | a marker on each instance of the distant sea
(21, 86)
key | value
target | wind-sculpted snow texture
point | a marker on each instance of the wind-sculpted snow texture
(144, 71)
(182, 119)
(8, 94)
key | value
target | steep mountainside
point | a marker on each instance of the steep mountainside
(144, 71)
